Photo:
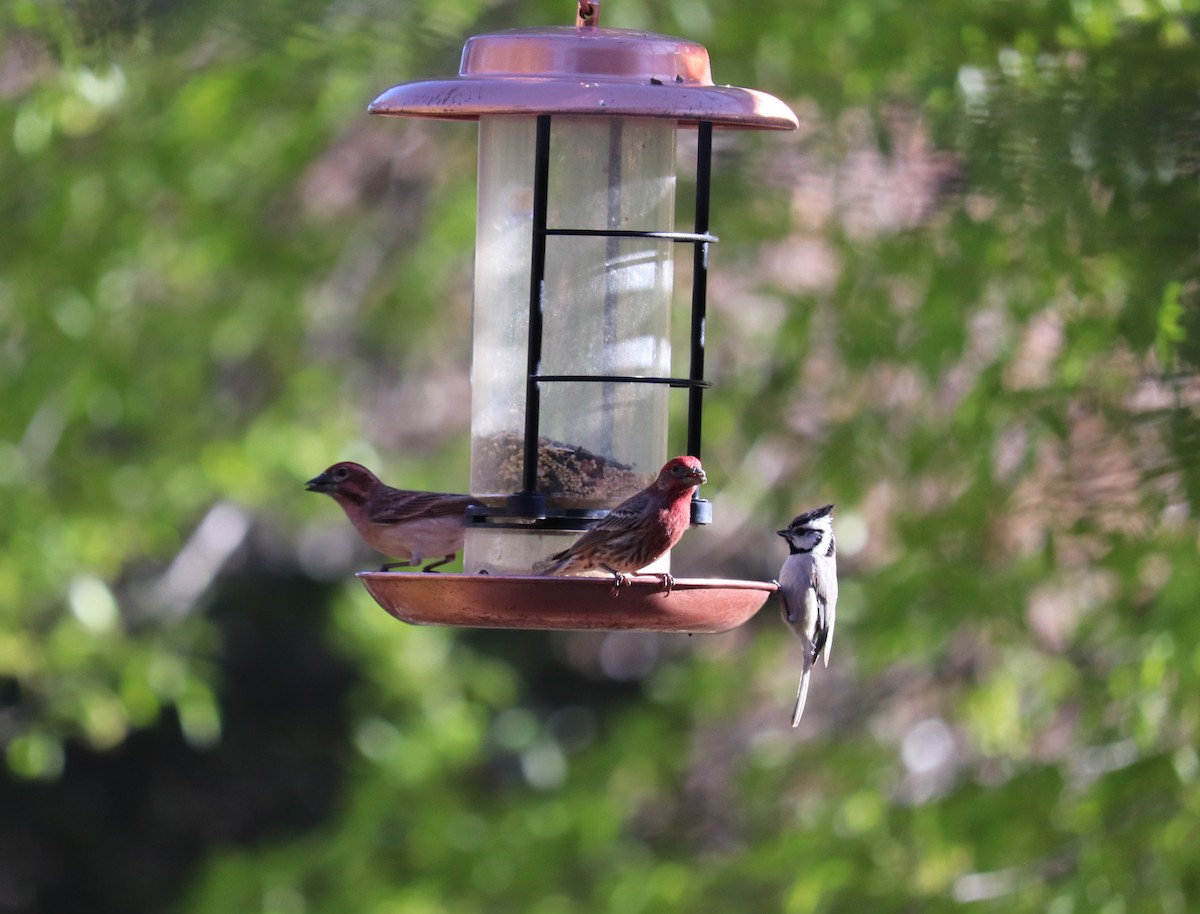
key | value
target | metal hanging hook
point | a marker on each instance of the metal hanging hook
(588, 14)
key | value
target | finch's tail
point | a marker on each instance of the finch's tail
(555, 564)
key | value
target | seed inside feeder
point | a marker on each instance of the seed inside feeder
(569, 475)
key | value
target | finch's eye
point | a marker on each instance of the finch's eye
(340, 473)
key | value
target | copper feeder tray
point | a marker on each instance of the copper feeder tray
(694, 605)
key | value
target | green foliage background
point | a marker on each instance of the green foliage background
(962, 304)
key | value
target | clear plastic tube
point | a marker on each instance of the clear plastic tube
(606, 308)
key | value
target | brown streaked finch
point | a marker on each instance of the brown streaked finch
(407, 525)
(637, 531)
(808, 590)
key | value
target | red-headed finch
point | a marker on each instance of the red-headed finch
(637, 531)
(407, 525)
(808, 590)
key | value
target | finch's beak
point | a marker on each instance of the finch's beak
(782, 532)
(699, 476)
(319, 484)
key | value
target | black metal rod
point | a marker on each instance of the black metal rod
(537, 295)
(622, 379)
(681, 237)
(699, 285)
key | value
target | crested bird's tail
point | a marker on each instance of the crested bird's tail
(802, 690)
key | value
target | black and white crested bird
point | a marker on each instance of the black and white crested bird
(808, 590)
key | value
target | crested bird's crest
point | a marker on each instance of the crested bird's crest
(809, 517)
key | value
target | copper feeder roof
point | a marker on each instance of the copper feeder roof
(585, 71)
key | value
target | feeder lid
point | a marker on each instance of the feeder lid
(585, 71)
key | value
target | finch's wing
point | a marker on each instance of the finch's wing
(399, 506)
(626, 516)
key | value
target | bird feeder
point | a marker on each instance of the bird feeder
(574, 279)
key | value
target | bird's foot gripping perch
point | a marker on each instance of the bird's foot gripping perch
(413, 563)
(620, 579)
(439, 563)
(626, 580)
(390, 565)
